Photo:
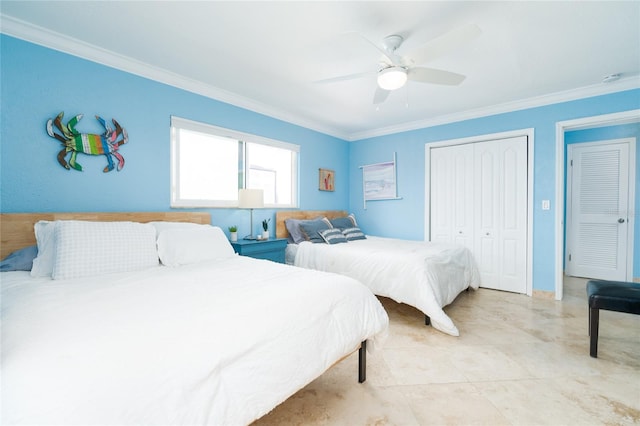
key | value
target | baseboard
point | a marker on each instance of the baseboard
(543, 294)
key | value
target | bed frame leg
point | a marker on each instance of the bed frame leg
(362, 362)
(427, 320)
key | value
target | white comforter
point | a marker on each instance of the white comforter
(426, 275)
(213, 343)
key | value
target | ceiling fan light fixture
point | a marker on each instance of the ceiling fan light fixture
(392, 78)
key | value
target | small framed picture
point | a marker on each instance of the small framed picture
(326, 180)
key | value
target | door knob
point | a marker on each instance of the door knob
(621, 220)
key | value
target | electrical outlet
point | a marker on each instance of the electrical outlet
(545, 204)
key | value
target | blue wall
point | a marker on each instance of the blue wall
(616, 132)
(37, 83)
(404, 218)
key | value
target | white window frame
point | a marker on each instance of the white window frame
(182, 123)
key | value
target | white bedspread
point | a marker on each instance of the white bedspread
(214, 343)
(426, 275)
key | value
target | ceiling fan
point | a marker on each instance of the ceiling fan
(395, 70)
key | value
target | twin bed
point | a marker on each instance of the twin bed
(428, 276)
(106, 334)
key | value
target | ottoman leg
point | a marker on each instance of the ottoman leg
(594, 316)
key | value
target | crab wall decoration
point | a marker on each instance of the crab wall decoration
(73, 141)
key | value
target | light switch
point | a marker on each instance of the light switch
(545, 204)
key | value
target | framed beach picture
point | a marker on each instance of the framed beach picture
(326, 181)
(379, 181)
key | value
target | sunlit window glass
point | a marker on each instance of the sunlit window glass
(210, 164)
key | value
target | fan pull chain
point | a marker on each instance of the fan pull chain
(406, 104)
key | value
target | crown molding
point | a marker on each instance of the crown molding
(621, 85)
(56, 41)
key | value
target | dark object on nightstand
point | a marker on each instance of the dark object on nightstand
(271, 249)
(619, 296)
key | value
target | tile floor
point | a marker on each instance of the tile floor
(518, 361)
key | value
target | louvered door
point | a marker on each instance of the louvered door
(597, 209)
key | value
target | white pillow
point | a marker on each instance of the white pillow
(84, 248)
(183, 246)
(43, 263)
(163, 225)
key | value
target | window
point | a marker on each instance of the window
(209, 164)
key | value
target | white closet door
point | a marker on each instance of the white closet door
(599, 203)
(479, 200)
(452, 200)
(500, 189)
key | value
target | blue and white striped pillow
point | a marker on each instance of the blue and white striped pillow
(353, 234)
(333, 236)
(311, 230)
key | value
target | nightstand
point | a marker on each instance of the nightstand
(271, 249)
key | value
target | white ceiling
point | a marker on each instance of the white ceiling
(267, 56)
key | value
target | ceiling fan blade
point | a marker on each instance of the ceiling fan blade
(344, 77)
(445, 43)
(435, 76)
(380, 95)
(390, 59)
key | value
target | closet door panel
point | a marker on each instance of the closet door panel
(463, 204)
(479, 200)
(501, 191)
(441, 195)
(452, 195)
(513, 230)
(486, 193)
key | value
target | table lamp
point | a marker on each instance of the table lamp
(251, 199)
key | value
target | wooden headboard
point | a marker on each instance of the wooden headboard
(281, 216)
(16, 229)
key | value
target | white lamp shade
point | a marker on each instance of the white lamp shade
(392, 78)
(251, 198)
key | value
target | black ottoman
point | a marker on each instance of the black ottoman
(617, 296)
